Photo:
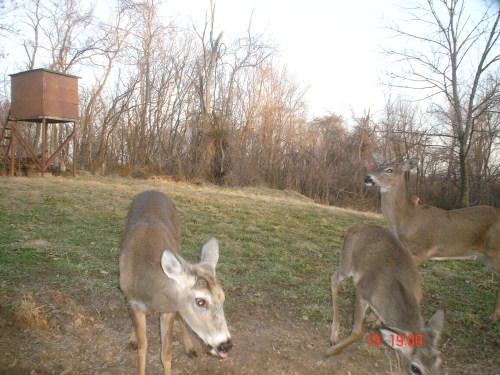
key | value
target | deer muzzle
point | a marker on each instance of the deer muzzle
(222, 350)
(369, 180)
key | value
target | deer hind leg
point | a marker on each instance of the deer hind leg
(493, 256)
(496, 313)
(360, 308)
(335, 282)
(186, 338)
(139, 338)
(340, 274)
(167, 330)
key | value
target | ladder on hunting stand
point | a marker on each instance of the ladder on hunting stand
(5, 146)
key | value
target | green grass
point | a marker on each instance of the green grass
(278, 249)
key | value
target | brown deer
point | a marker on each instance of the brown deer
(433, 233)
(155, 278)
(386, 280)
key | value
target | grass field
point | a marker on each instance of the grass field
(278, 250)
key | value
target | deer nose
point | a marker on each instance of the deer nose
(368, 180)
(225, 346)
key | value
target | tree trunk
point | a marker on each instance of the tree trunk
(464, 178)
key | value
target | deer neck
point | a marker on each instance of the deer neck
(396, 206)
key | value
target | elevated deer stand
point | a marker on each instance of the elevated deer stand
(40, 96)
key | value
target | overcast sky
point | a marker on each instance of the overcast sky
(331, 46)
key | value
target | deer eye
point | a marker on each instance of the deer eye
(389, 170)
(415, 370)
(200, 302)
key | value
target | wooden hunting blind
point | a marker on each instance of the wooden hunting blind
(40, 96)
(40, 93)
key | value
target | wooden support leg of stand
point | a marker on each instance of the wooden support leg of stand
(12, 150)
(44, 146)
(46, 159)
(74, 149)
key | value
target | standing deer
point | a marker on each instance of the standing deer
(432, 233)
(155, 278)
(386, 280)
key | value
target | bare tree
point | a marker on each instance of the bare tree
(7, 26)
(485, 160)
(221, 70)
(99, 113)
(33, 20)
(207, 64)
(68, 37)
(208, 139)
(451, 61)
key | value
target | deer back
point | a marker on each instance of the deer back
(152, 226)
(429, 232)
(385, 275)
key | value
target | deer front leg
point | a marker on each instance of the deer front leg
(139, 320)
(167, 330)
(185, 338)
(357, 329)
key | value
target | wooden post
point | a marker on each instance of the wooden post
(74, 149)
(12, 149)
(44, 145)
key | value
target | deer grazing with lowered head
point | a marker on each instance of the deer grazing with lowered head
(433, 233)
(155, 278)
(386, 280)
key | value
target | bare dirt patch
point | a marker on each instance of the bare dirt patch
(88, 333)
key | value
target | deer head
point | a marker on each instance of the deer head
(200, 296)
(418, 357)
(388, 173)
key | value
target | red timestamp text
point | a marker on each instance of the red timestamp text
(396, 340)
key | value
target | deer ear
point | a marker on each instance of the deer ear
(409, 164)
(378, 159)
(171, 265)
(389, 337)
(210, 252)
(435, 326)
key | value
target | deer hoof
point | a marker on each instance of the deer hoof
(131, 345)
